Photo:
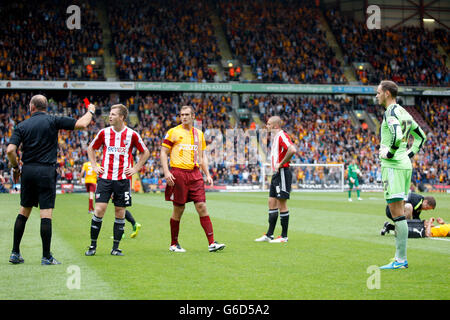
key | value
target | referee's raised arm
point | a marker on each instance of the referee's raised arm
(38, 138)
(86, 119)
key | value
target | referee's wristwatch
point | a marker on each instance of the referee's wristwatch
(92, 112)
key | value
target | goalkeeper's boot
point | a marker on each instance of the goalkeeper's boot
(136, 229)
(264, 238)
(395, 265)
(16, 258)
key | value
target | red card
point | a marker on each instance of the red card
(86, 102)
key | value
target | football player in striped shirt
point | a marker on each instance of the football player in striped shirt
(280, 186)
(117, 142)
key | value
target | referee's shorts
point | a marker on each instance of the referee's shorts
(38, 186)
(280, 186)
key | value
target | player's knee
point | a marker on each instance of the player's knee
(119, 212)
(201, 208)
(273, 202)
(282, 205)
(100, 209)
(178, 210)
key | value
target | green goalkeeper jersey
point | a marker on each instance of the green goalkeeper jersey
(353, 171)
(397, 125)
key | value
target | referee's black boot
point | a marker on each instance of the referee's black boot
(116, 252)
(49, 261)
(91, 251)
(16, 258)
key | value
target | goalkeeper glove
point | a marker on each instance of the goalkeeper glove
(385, 153)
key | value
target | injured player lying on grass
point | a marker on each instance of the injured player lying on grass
(424, 228)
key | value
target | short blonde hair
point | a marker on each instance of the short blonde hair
(122, 110)
(188, 107)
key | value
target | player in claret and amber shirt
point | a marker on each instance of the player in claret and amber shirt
(186, 145)
(90, 181)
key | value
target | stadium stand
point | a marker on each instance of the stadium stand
(163, 40)
(281, 40)
(408, 55)
(320, 127)
(35, 43)
(175, 41)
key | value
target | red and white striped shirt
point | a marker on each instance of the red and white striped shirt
(280, 144)
(117, 148)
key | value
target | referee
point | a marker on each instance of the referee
(38, 136)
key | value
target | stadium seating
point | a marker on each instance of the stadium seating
(281, 40)
(408, 55)
(35, 43)
(320, 127)
(163, 40)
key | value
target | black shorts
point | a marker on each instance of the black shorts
(38, 186)
(280, 186)
(416, 228)
(415, 215)
(120, 190)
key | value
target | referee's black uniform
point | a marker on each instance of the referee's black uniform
(39, 138)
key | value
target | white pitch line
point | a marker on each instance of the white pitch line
(442, 239)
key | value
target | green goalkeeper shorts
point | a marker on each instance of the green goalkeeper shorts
(355, 183)
(396, 183)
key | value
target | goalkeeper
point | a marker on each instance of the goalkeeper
(353, 173)
(396, 168)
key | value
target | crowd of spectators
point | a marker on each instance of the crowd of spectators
(163, 40)
(433, 163)
(282, 41)
(407, 55)
(170, 40)
(36, 44)
(430, 165)
(319, 126)
(322, 131)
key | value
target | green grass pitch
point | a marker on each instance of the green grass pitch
(332, 246)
